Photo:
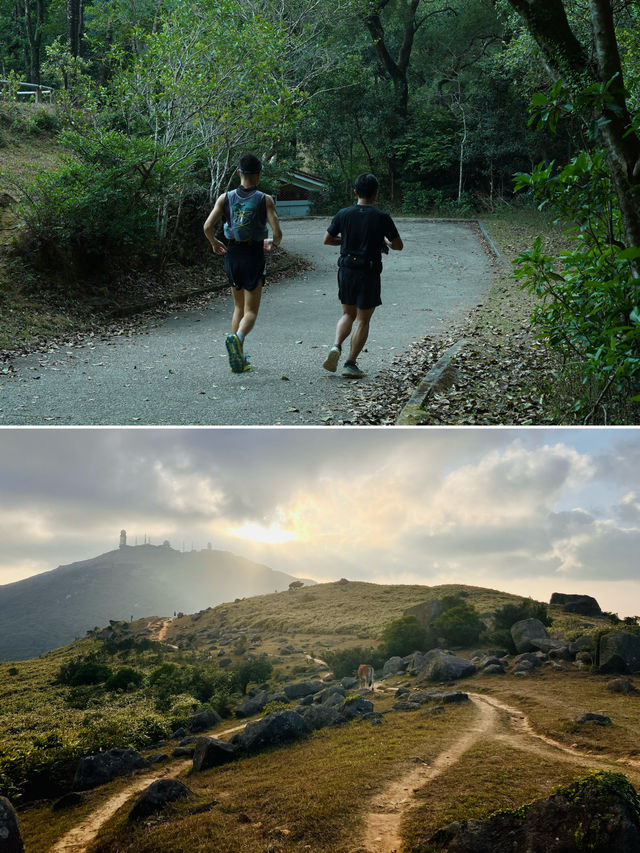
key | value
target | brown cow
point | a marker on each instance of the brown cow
(365, 675)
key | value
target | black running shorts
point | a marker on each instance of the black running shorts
(359, 287)
(245, 265)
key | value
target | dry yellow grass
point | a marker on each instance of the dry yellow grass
(348, 610)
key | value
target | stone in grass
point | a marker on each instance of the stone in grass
(211, 752)
(156, 797)
(10, 838)
(594, 717)
(599, 812)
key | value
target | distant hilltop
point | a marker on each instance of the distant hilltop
(51, 609)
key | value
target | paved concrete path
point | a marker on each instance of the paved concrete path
(178, 372)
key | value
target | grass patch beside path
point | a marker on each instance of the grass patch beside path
(498, 778)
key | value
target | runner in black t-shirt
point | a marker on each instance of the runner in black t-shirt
(363, 232)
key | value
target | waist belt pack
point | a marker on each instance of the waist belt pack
(358, 261)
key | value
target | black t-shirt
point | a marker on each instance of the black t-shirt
(363, 229)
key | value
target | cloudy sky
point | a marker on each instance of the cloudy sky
(529, 511)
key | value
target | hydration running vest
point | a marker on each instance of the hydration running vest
(246, 217)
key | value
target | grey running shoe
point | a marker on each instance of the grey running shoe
(352, 370)
(234, 349)
(331, 361)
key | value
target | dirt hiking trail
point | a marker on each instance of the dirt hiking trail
(387, 809)
(78, 839)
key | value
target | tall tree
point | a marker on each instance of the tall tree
(580, 66)
(74, 26)
(33, 19)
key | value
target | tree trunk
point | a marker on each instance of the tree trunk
(33, 32)
(623, 147)
(547, 22)
(74, 24)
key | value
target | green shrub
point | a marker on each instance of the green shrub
(345, 663)
(37, 770)
(124, 679)
(403, 636)
(588, 308)
(83, 671)
(503, 639)
(42, 120)
(509, 614)
(274, 707)
(254, 671)
(100, 209)
(460, 625)
(417, 199)
(205, 682)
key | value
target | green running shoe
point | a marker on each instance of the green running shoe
(352, 370)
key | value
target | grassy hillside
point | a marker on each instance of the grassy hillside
(340, 613)
(45, 726)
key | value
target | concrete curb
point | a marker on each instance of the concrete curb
(442, 375)
(489, 241)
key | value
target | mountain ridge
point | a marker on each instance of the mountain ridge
(53, 608)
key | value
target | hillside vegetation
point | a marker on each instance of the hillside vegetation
(341, 611)
(513, 742)
(47, 722)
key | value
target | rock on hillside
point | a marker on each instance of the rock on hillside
(586, 605)
(619, 651)
(599, 813)
(10, 838)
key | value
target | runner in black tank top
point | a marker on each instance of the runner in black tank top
(244, 258)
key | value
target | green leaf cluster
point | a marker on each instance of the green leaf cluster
(589, 295)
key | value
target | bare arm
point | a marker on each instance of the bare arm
(274, 222)
(210, 226)
(330, 240)
(396, 243)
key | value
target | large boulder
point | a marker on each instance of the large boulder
(443, 666)
(585, 605)
(203, 720)
(621, 685)
(158, 795)
(101, 768)
(211, 752)
(10, 838)
(415, 662)
(302, 688)
(425, 612)
(319, 716)
(272, 730)
(619, 651)
(329, 694)
(252, 705)
(356, 706)
(599, 813)
(393, 666)
(525, 632)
